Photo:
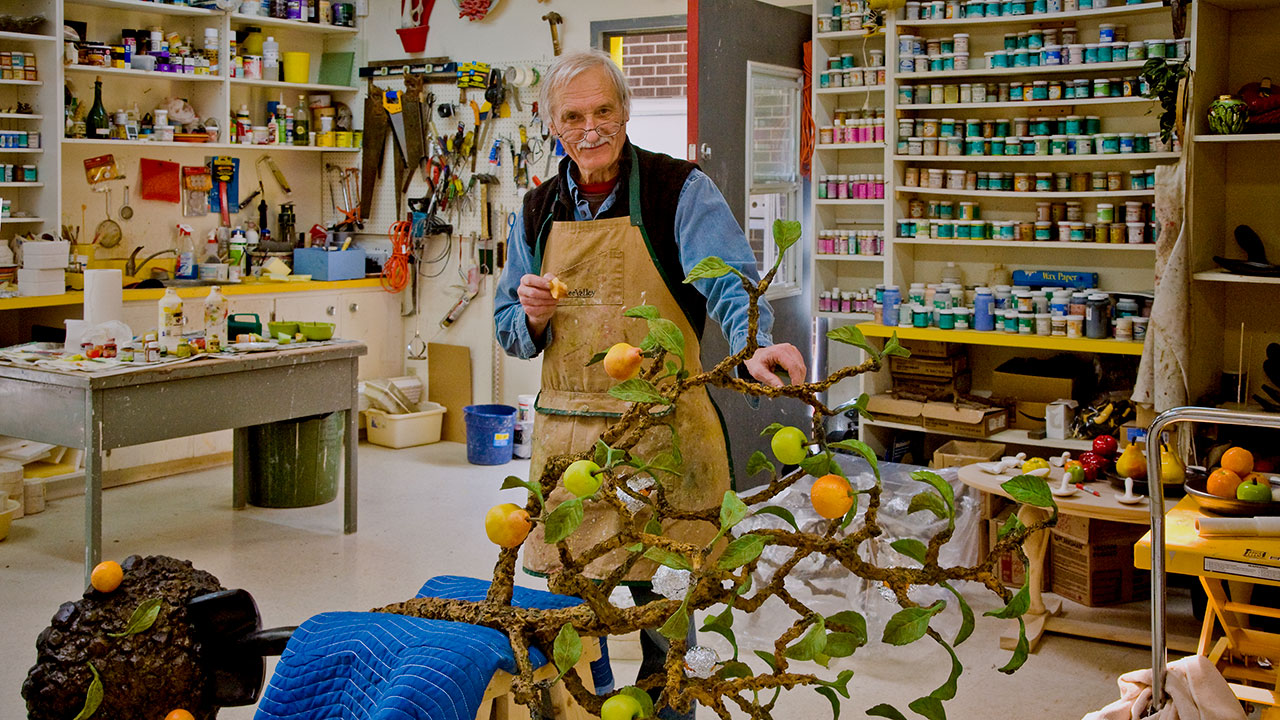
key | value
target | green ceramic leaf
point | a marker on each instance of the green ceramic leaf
(1020, 652)
(638, 390)
(768, 658)
(144, 616)
(931, 502)
(928, 706)
(734, 669)
(830, 695)
(668, 336)
(966, 616)
(851, 335)
(841, 644)
(92, 697)
(935, 480)
(677, 626)
(732, 510)
(771, 429)
(672, 560)
(722, 625)
(909, 624)
(947, 690)
(598, 357)
(647, 312)
(862, 449)
(562, 521)
(817, 465)
(640, 696)
(757, 462)
(1017, 604)
(1029, 490)
(786, 233)
(778, 511)
(910, 547)
(512, 482)
(885, 710)
(811, 643)
(567, 648)
(712, 267)
(741, 551)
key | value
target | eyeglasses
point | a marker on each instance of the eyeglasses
(604, 130)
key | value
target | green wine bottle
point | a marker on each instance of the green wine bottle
(97, 123)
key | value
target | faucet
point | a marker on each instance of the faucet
(132, 266)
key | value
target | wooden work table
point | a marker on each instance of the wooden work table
(1046, 613)
(101, 412)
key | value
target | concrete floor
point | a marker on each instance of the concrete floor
(420, 516)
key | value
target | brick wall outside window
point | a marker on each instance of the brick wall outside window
(654, 64)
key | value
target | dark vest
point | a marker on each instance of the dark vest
(661, 179)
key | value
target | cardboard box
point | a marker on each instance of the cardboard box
(933, 348)
(1008, 566)
(945, 368)
(958, 453)
(1029, 415)
(1098, 573)
(1132, 432)
(932, 386)
(1093, 530)
(1032, 381)
(964, 422)
(323, 264)
(891, 409)
(1058, 417)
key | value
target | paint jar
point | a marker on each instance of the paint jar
(1096, 319)
(1133, 211)
(1106, 213)
(1074, 326)
(946, 319)
(1009, 322)
(1139, 328)
(1124, 328)
(960, 43)
(1026, 323)
(937, 94)
(955, 179)
(1043, 323)
(906, 94)
(1136, 233)
(1044, 181)
(929, 146)
(1044, 230)
(1156, 48)
(920, 316)
(1126, 144)
(915, 146)
(934, 178)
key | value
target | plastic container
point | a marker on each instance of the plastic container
(296, 463)
(490, 431)
(297, 67)
(407, 429)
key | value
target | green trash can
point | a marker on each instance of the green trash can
(296, 463)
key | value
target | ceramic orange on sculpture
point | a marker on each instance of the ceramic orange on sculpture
(831, 496)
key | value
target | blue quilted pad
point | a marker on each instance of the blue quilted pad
(378, 666)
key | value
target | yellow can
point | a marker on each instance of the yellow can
(344, 138)
(326, 139)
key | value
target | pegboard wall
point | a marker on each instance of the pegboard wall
(504, 197)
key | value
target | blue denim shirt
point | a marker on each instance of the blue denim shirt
(704, 226)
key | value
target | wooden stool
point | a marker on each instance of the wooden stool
(498, 704)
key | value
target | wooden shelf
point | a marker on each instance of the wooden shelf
(1001, 339)
(846, 35)
(1035, 18)
(140, 74)
(850, 258)
(20, 116)
(851, 89)
(1026, 103)
(21, 82)
(238, 21)
(22, 151)
(1031, 70)
(153, 8)
(1010, 437)
(207, 146)
(305, 87)
(10, 221)
(21, 184)
(29, 37)
(847, 317)
(1036, 245)
(1112, 157)
(1255, 137)
(1225, 277)
(852, 146)
(249, 288)
(1043, 195)
(849, 202)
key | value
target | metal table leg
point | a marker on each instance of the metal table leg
(92, 489)
(351, 441)
(239, 468)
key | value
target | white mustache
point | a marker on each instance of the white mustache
(584, 145)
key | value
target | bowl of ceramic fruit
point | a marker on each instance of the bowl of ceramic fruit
(1106, 462)
(1235, 486)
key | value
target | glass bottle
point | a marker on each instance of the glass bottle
(97, 124)
(301, 126)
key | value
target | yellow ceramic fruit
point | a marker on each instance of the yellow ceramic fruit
(1132, 463)
(1034, 464)
(1171, 470)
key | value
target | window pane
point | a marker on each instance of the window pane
(764, 209)
(774, 128)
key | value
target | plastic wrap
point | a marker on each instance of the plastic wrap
(824, 585)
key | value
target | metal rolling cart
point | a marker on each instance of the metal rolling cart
(1212, 571)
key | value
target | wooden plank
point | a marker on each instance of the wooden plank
(449, 384)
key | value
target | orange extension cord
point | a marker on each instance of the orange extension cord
(395, 272)
(807, 127)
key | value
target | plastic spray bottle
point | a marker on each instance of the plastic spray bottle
(187, 269)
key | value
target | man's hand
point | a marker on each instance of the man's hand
(535, 297)
(783, 355)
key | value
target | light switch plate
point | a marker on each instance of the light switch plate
(362, 8)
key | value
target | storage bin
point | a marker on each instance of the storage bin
(405, 430)
(323, 264)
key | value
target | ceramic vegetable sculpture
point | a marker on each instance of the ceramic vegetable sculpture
(717, 576)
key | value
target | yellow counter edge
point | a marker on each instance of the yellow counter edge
(252, 288)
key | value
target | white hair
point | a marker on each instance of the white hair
(572, 64)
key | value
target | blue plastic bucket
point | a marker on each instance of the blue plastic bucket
(490, 433)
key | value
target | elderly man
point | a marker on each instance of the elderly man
(621, 226)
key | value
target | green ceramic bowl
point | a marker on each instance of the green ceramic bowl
(288, 328)
(316, 330)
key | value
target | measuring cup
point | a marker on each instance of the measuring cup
(126, 212)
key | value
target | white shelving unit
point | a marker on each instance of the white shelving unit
(906, 260)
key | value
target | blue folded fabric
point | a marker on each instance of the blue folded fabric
(378, 666)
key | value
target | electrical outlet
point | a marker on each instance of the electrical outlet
(362, 8)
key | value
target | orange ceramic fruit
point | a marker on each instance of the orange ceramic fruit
(1223, 482)
(507, 525)
(622, 362)
(179, 714)
(831, 496)
(558, 289)
(1239, 461)
(106, 576)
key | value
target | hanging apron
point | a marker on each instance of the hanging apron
(609, 267)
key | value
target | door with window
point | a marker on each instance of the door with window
(744, 131)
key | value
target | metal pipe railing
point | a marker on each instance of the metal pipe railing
(1159, 651)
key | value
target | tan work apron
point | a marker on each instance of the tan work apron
(608, 267)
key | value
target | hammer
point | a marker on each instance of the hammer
(553, 18)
